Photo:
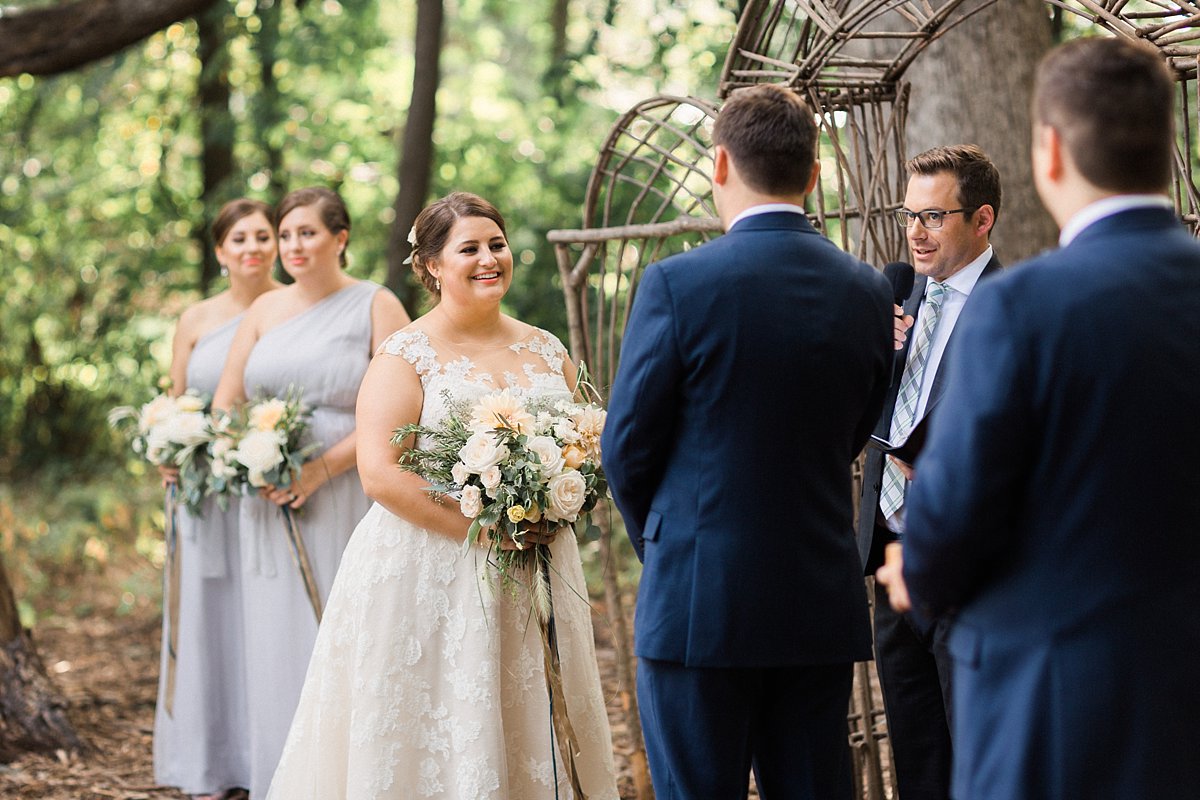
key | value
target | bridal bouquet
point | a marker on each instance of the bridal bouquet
(511, 463)
(260, 445)
(172, 432)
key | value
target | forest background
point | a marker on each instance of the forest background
(111, 169)
(109, 176)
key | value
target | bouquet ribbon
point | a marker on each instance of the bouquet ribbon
(300, 557)
(171, 579)
(564, 732)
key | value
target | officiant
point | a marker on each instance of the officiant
(950, 208)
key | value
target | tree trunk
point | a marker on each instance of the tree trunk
(32, 711)
(216, 130)
(57, 38)
(975, 85)
(416, 149)
(267, 104)
(556, 69)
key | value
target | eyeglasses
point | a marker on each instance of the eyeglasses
(931, 218)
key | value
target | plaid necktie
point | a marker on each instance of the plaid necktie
(891, 497)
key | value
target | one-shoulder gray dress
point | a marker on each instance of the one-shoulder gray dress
(322, 352)
(203, 747)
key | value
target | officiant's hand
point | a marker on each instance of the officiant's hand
(900, 327)
(891, 575)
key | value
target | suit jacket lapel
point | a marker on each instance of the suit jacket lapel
(939, 378)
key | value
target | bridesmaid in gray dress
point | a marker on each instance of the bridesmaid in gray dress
(201, 745)
(317, 336)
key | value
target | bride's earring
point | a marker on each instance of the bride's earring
(224, 271)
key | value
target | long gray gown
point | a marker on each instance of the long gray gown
(203, 747)
(322, 352)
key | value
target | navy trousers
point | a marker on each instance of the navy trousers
(706, 728)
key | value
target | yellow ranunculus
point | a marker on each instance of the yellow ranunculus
(516, 513)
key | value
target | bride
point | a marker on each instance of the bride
(427, 679)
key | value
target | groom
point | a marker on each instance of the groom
(752, 371)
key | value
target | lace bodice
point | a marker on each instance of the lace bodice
(531, 366)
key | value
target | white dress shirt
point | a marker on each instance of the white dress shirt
(1106, 208)
(766, 208)
(959, 286)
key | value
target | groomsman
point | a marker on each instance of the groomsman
(752, 371)
(950, 208)
(1059, 512)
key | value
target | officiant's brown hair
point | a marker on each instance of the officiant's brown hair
(433, 225)
(771, 135)
(1111, 102)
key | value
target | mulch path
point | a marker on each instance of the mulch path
(107, 666)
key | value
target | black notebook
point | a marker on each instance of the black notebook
(908, 449)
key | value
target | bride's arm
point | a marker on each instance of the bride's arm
(391, 397)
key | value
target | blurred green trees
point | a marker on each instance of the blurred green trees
(102, 197)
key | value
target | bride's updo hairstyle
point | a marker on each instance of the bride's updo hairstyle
(432, 229)
(330, 206)
(233, 211)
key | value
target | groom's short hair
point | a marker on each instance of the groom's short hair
(771, 136)
(1111, 102)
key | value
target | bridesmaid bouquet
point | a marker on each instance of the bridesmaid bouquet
(510, 463)
(259, 445)
(173, 432)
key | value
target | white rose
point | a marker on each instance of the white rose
(189, 403)
(187, 429)
(548, 452)
(481, 451)
(157, 440)
(459, 472)
(490, 478)
(471, 502)
(156, 412)
(564, 429)
(259, 452)
(221, 446)
(222, 469)
(567, 493)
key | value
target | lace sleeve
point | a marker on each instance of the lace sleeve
(551, 350)
(414, 347)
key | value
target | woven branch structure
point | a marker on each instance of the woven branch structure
(650, 193)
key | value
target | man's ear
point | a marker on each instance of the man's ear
(720, 165)
(1049, 144)
(813, 178)
(985, 219)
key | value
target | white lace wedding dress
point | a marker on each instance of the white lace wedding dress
(427, 680)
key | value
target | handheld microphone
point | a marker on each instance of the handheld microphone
(901, 276)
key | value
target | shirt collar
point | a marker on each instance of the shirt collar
(1100, 209)
(765, 208)
(965, 279)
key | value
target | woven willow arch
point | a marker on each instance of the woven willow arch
(650, 195)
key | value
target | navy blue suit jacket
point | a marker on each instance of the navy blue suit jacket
(1060, 513)
(752, 371)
